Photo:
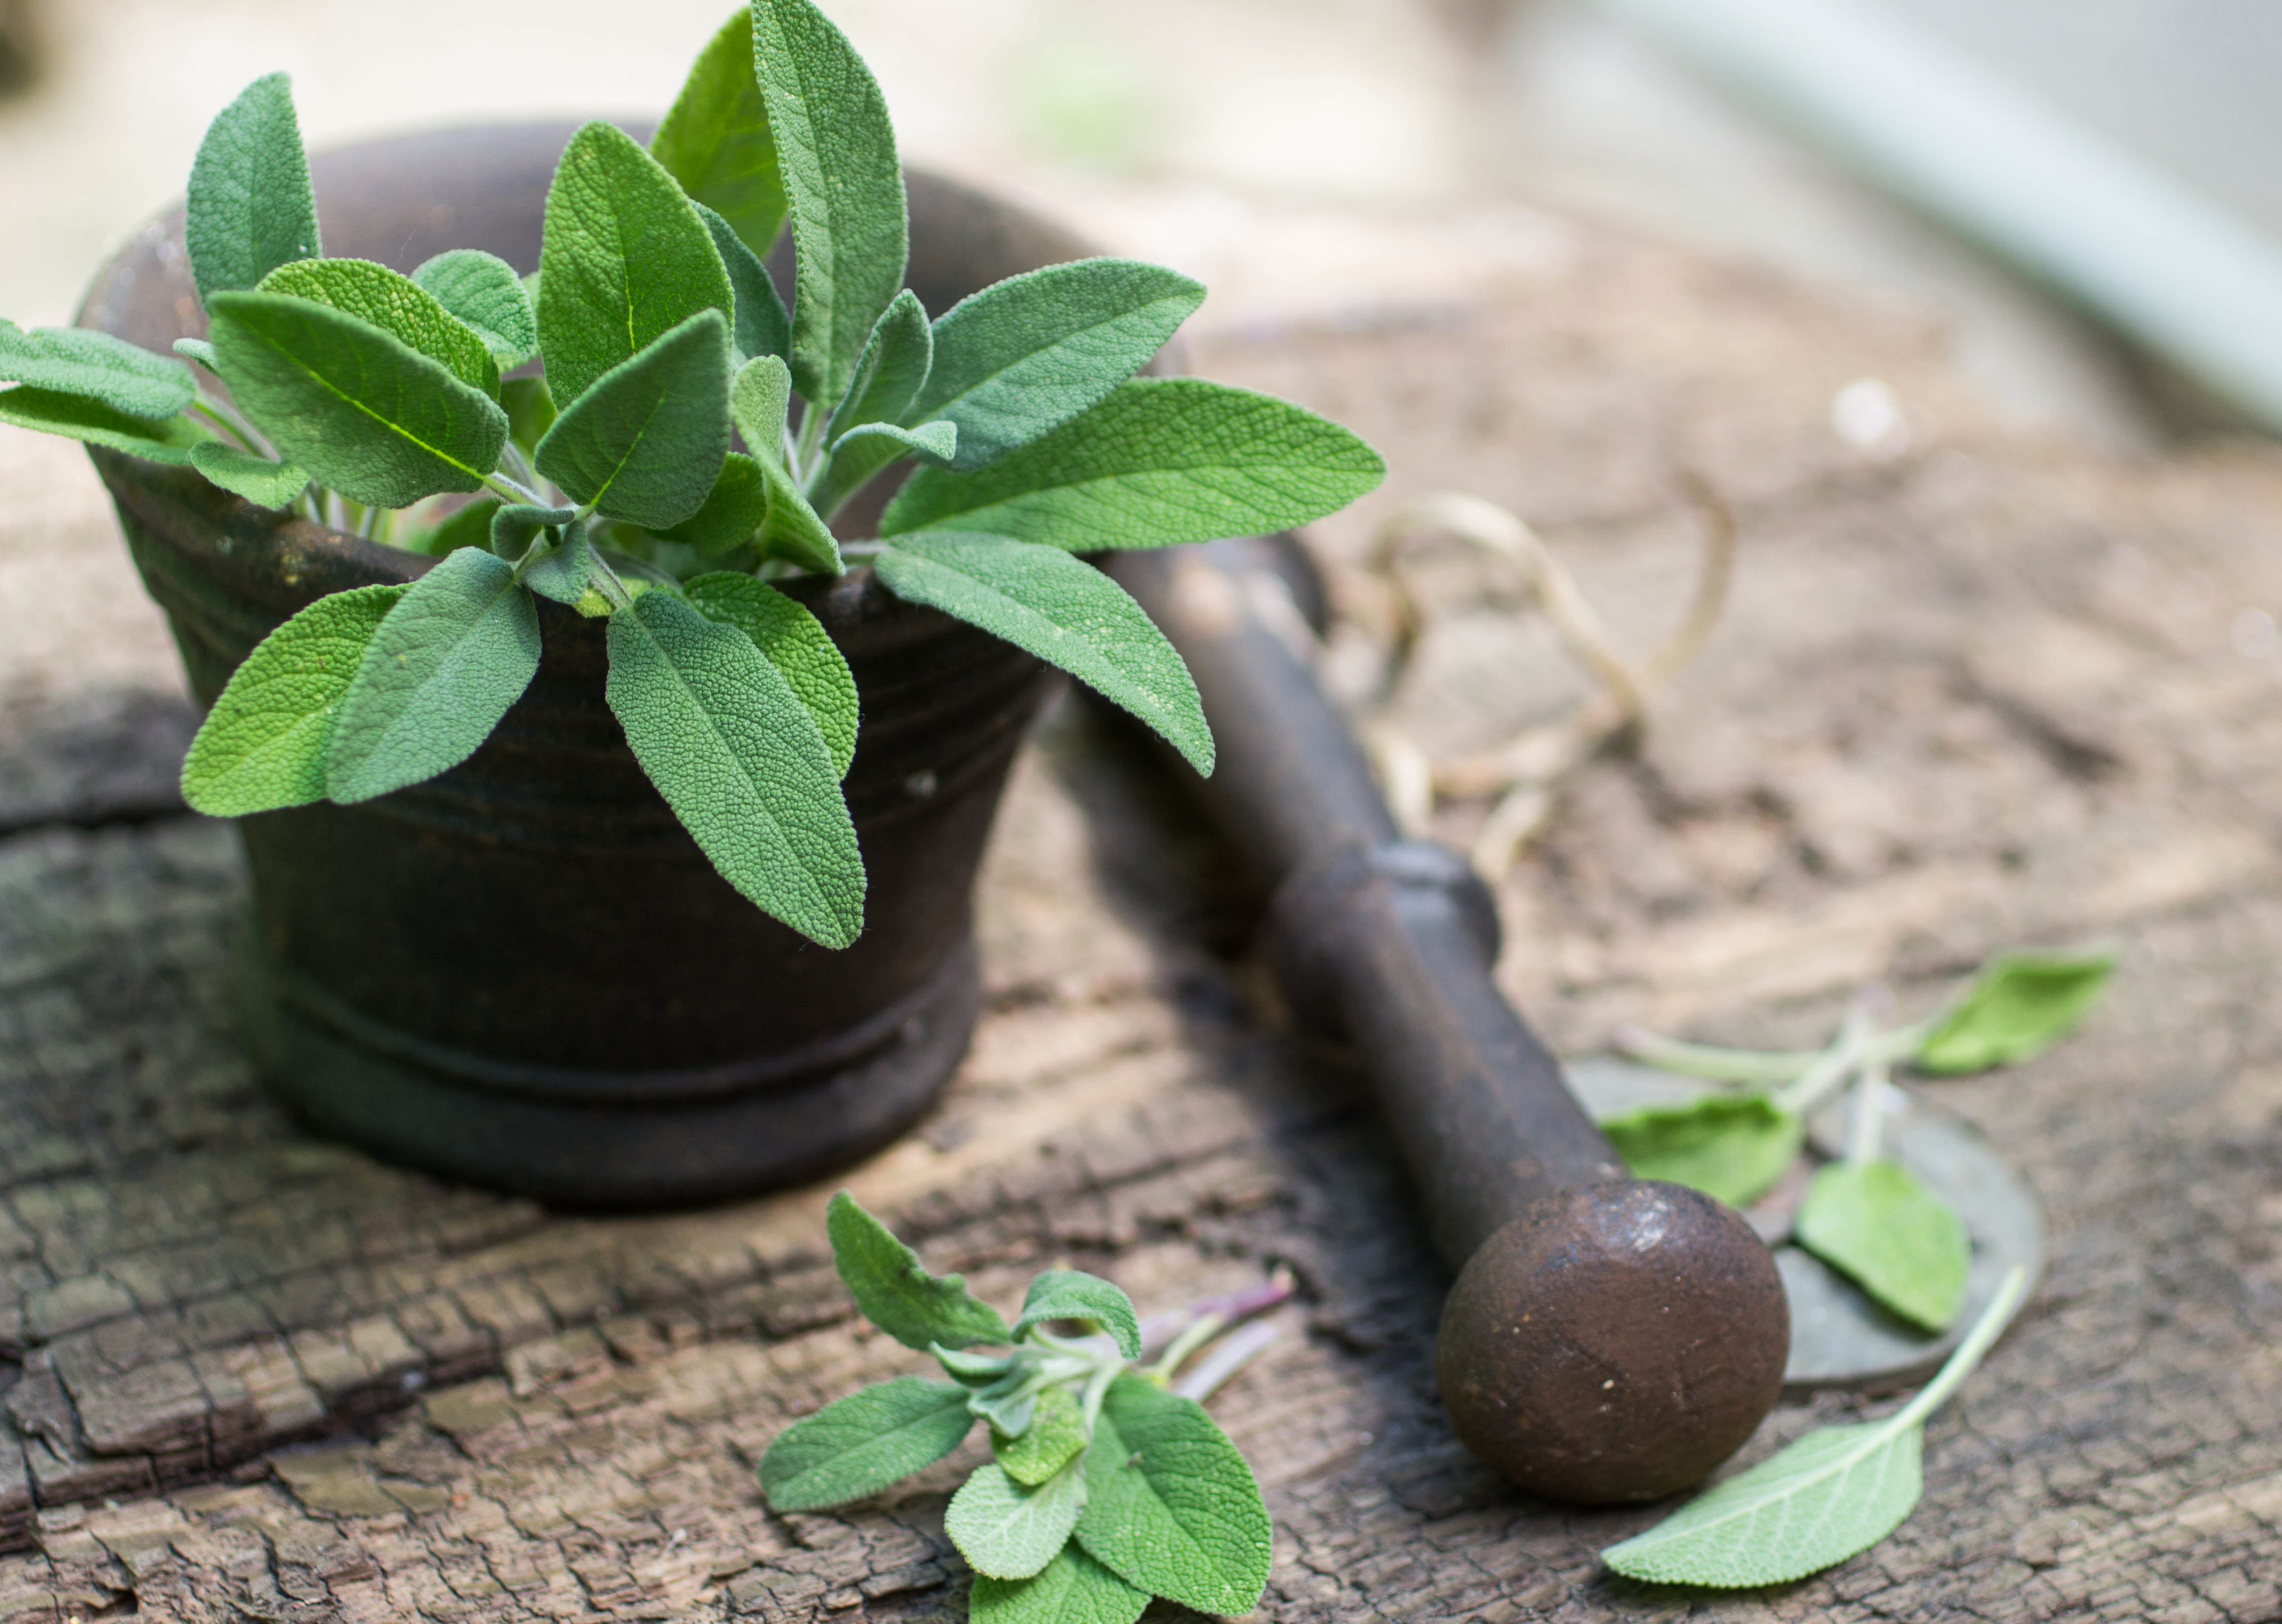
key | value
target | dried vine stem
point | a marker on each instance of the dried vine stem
(1527, 771)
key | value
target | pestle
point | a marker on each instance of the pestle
(1608, 1339)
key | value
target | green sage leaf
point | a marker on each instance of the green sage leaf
(398, 305)
(199, 351)
(974, 1370)
(733, 513)
(895, 1290)
(716, 139)
(795, 531)
(362, 411)
(160, 439)
(484, 291)
(468, 526)
(843, 188)
(262, 746)
(862, 453)
(444, 668)
(1882, 1229)
(2020, 1005)
(260, 481)
(515, 526)
(763, 325)
(854, 1449)
(1009, 1531)
(1065, 612)
(795, 643)
(760, 400)
(626, 260)
(1073, 1589)
(530, 407)
(1069, 1293)
(1056, 1436)
(647, 441)
(890, 371)
(1025, 355)
(743, 764)
(250, 207)
(566, 572)
(1733, 1147)
(1010, 1404)
(94, 366)
(1160, 461)
(1171, 1507)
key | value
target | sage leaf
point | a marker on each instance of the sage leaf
(1065, 612)
(1073, 1589)
(362, 411)
(1733, 1147)
(2020, 1005)
(890, 371)
(716, 139)
(843, 188)
(250, 209)
(260, 481)
(1877, 1225)
(199, 351)
(1009, 1531)
(866, 450)
(262, 746)
(469, 527)
(1834, 1493)
(795, 531)
(1160, 461)
(856, 1447)
(760, 401)
(645, 442)
(1025, 355)
(161, 440)
(484, 291)
(530, 407)
(743, 764)
(565, 573)
(733, 513)
(1070, 1293)
(625, 260)
(1010, 1404)
(515, 526)
(895, 1290)
(450, 659)
(1056, 1435)
(795, 643)
(974, 1370)
(398, 305)
(1171, 1507)
(94, 366)
(762, 326)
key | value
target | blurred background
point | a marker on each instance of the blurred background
(1256, 142)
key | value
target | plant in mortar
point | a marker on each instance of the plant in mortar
(682, 445)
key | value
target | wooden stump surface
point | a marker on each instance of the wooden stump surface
(1975, 689)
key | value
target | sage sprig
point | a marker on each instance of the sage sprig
(678, 457)
(1105, 1485)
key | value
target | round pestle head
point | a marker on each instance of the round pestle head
(1614, 1342)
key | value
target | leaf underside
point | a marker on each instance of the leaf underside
(164, 440)
(1070, 1293)
(1009, 1530)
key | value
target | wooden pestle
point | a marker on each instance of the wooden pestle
(1608, 1339)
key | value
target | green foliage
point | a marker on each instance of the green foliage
(890, 371)
(733, 514)
(250, 208)
(1069, 1293)
(626, 259)
(1877, 1224)
(453, 655)
(792, 529)
(1010, 1530)
(763, 325)
(468, 526)
(362, 411)
(760, 400)
(645, 442)
(716, 139)
(1063, 610)
(2021, 1005)
(1073, 1589)
(398, 305)
(564, 570)
(112, 373)
(515, 526)
(794, 641)
(856, 1447)
(261, 480)
(483, 290)
(1056, 1436)
(1171, 1507)
(895, 1290)
(162, 440)
(742, 762)
(843, 184)
(1731, 1146)
(530, 407)
(198, 350)
(263, 744)
(1160, 461)
(1025, 355)
(1838, 1491)
(868, 448)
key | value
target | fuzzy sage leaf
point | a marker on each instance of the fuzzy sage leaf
(94, 366)
(2018, 1007)
(890, 371)
(859, 1445)
(895, 1292)
(398, 305)
(733, 510)
(1073, 1589)
(162, 440)
(763, 325)
(1010, 1530)
(1171, 1506)
(1877, 1224)
(715, 140)
(484, 291)
(1069, 1293)
(647, 441)
(1057, 1435)
(264, 483)
(795, 643)
(250, 209)
(1733, 1147)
